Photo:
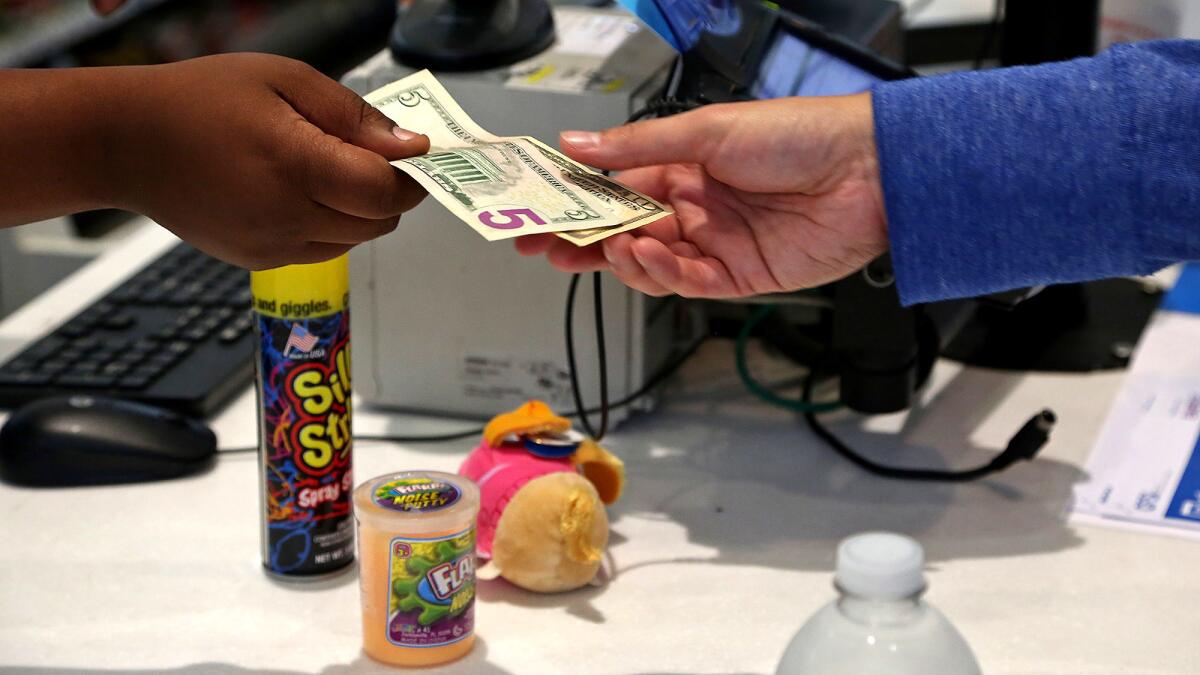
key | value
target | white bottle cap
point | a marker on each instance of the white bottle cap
(880, 566)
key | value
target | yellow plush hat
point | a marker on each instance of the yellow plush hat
(533, 417)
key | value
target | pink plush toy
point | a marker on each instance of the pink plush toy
(542, 523)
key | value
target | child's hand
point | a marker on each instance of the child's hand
(257, 159)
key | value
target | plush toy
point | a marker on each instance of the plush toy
(543, 487)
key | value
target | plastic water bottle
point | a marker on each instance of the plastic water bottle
(878, 624)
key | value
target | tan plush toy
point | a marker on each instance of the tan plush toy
(542, 524)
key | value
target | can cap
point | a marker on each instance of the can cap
(296, 292)
(416, 501)
(880, 566)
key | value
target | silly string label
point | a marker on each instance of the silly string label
(431, 590)
(304, 365)
(417, 494)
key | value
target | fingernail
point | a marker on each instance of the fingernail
(404, 134)
(581, 140)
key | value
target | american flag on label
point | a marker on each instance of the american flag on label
(302, 340)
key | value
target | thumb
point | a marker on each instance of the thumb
(340, 112)
(689, 138)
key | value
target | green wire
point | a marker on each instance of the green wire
(756, 387)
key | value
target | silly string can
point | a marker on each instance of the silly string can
(303, 382)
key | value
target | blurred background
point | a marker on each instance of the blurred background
(335, 35)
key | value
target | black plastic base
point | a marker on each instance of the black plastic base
(1069, 328)
(458, 35)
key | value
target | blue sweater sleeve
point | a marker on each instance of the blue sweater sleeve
(1056, 173)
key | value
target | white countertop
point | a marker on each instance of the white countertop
(721, 547)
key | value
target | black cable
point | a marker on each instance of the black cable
(990, 36)
(603, 360)
(600, 349)
(663, 373)
(570, 338)
(1025, 444)
(657, 107)
(428, 438)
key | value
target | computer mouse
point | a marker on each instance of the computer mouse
(90, 440)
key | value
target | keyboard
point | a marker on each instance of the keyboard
(177, 334)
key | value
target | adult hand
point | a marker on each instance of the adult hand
(769, 196)
(257, 159)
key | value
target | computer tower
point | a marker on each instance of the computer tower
(447, 323)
